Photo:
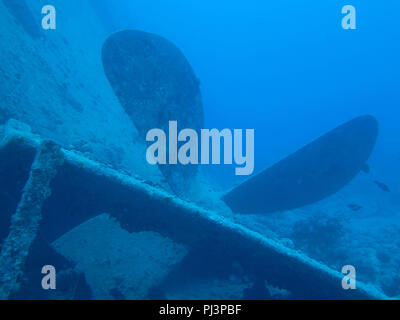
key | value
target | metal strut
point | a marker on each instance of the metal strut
(25, 222)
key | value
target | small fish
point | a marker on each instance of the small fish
(354, 207)
(383, 186)
(365, 168)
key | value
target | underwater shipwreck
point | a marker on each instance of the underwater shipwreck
(44, 177)
(116, 233)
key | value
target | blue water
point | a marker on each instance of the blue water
(286, 69)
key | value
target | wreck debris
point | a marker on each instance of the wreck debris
(25, 222)
(206, 234)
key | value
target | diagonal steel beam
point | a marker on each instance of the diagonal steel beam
(25, 222)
